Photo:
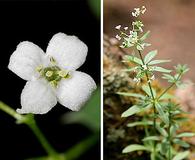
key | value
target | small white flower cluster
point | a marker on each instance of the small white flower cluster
(139, 11)
(133, 37)
(118, 28)
(130, 36)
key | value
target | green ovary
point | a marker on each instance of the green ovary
(53, 74)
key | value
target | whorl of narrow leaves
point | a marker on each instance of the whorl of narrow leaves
(159, 140)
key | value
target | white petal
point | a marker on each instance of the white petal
(74, 92)
(69, 52)
(37, 97)
(25, 59)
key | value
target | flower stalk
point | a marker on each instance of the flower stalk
(153, 98)
(31, 123)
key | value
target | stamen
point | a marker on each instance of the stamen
(39, 68)
(62, 74)
(49, 73)
(53, 74)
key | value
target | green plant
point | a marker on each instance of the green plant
(165, 119)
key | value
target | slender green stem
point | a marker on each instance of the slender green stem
(167, 89)
(153, 98)
(31, 123)
(10, 111)
(169, 133)
(45, 144)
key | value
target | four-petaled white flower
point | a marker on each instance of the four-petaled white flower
(118, 27)
(52, 77)
(118, 37)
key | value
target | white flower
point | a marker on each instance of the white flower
(118, 37)
(139, 11)
(143, 10)
(136, 13)
(125, 28)
(144, 67)
(153, 77)
(52, 77)
(118, 27)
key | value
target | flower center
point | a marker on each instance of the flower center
(53, 74)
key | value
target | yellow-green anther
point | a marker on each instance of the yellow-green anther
(39, 68)
(49, 73)
(62, 73)
(53, 83)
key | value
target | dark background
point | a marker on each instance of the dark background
(37, 21)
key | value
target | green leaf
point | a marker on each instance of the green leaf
(145, 36)
(135, 109)
(158, 62)
(146, 89)
(89, 115)
(134, 147)
(185, 134)
(181, 155)
(95, 7)
(131, 111)
(151, 138)
(160, 69)
(150, 56)
(139, 47)
(163, 116)
(164, 146)
(131, 95)
(169, 77)
(141, 123)
(130, 69)
(166, 96)
(161, 130)
(181, 143)
(134, 59)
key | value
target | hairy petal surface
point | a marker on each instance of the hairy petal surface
(75, 91)
(25, 59)
(37, 97)
(69, 52)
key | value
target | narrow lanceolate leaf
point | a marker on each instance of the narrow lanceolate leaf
(130, 69)
(145, 36)
(134, 59)
(141, 123)
(166, 96)
(160, 69)
(135, 109)
(181, 143)
(158, 62)
(131, 95)
(161, 130)
(185, 134)
(150, 56)
(147, 90)
(181, 155)
(151, 138)
(131, 111)
(169, 77)
(134, 147)
(164, 117)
